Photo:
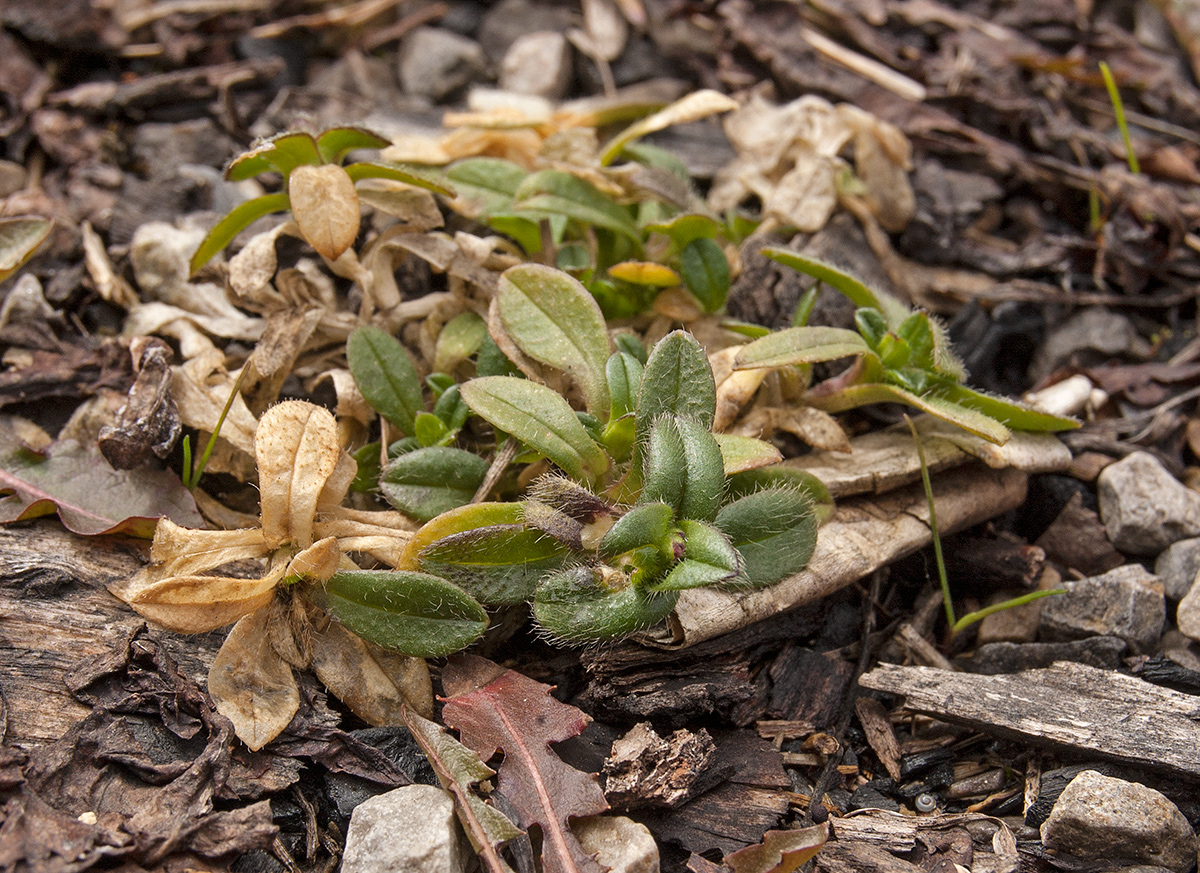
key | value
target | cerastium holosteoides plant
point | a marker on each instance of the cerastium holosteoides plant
(645, 501)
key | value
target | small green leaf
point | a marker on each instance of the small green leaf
(429, 431)
(871, 325)
(774, 530)
(645, 273)
(454, 521)
(19, 238)
(238, 219)
(413, 613)
(587, 604)
(336, 142)
(630, 344)
(684, 468)
(553, 319)
(539, 417)
(664, 465)
(677, 380)
(917, 333)
(648, 524)
(705, 271)
(969, 419)
(410, 175)
(801, 345)
(1015, 415)
(282, 152)
(485, 186)
(893, 352)
(555, 193)
(860, 295)
(739, 453)
(498, 564)
(460, 338)
(682, 229)
(708, 559)
(452, 410)
(429, 481)
(624, 374)
(787, 478)
(386, 375)
(367, 478)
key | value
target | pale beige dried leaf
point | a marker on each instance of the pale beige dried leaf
(882, 159)
(200, 388)
(221, 516)
(606, 28)
(416, 149)
(297, 450)
(350, 401)
(110, 285)
(410, 675)
(678, 304)
(188, 551)
(343, 663)
(338, 483)
(806, 195)
(694, 107)
(253, 268)
(274, 357)
(325, 206)
(251, 685)
(196, 604)
(735, 388)
(162, 319)
(289, 630)
(318, 562)
(415, 207)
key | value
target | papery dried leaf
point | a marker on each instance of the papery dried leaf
(344, 664)
(297, 449)
(493, 709)
(194, 604)
(410, 675)
(325, 206)
(251, 685)
(693, 107)
(185, 551)
(316, 563)
(780, 851)
(201, 389)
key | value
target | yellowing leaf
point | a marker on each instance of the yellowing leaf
(644, 273)
(780, 851)
(693, 107)
(325, 206)
(19, 238)
(251, 685)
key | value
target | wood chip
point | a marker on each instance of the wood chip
(880, 736)
(1083, 708)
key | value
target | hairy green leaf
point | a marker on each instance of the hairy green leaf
(683, 229)
(708, 559)
(588, 604)
(774, 530)
(498, 564)
(430, 481)
(460, 338)
(336, 142)
(419, 177)
(648, 524)
(539, 417)
(624, 373)
(1016, 415)
(860, 295)
(555, 193)
(788, 478)
(801, 345)
(386, 375)
(677, 380)
(485, 186)
(739, 453)
(553, 319)
(413, 613)
(705, 272)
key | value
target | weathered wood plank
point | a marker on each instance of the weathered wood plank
(1067, 705)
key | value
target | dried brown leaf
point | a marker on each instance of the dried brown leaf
(780, 851)
(297, 449)
(251, 685)
(347, 665)
(195, 604)
(325, 206)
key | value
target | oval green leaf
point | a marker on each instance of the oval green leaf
(427, 482)
(739, 453)
(774, 530)
(708, 559)
(1015, 415)
(238, 219)
(893, 310)
(540, 418)
(336, 142)
(677, 380)
(555, 193)
(705, 272)
(413, 613)
(485, 186)
(498, 564)
(385, 375)
(553, 319)
(408, 174)
(585, 605)
(801, 345)
(649, 524)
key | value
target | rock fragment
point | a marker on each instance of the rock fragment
(408, 830)
(1177, 567)
(1145, 508)
(538, 63)
(436, 63)
(1103, 818)
(619, 843)
(1126, 602)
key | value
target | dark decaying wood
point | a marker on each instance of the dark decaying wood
(55, 615)
(1066, 705)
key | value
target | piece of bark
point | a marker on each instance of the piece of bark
(1066, 705)
(736, 813)
(880, 735)
(983, 564)
(807, 686)
(896, 832)
(646, 770)
(148, 424)
(863, 535)
(844, 857)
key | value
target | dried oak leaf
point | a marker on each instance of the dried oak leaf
(494, 709)
(89, 496)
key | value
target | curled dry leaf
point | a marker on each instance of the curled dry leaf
(325, 206)
(251, 685)
(780, 851)
(348, 667)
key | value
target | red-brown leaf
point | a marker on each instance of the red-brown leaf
(497, 709)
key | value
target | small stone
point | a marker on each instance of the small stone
(1187, 616)
(407, 830)
(1103, 818)
(1103, 652)
(1145, 508)
(620, 843)
(161, 149)
(507, 21)
(1126, 602)
(538, 63)
(436, 63)
(1177, 567)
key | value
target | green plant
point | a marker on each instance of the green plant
(958, 624)
(902, 356)
(1114, 97)
(648, 501)
(318, 190)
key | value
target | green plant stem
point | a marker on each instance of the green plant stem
(1119, 111)
(980, 614)
(933, 526)
(192, 478)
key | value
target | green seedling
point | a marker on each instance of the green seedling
(1114, 96)
(958, 624)
(646, 502)
(902, 356)
(192, 472)
(318, 190)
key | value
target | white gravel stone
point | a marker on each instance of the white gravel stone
(1145, 508)
(538, 63)
(408, 830)
(1101, 818)
(618, 842)
(435, 63)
